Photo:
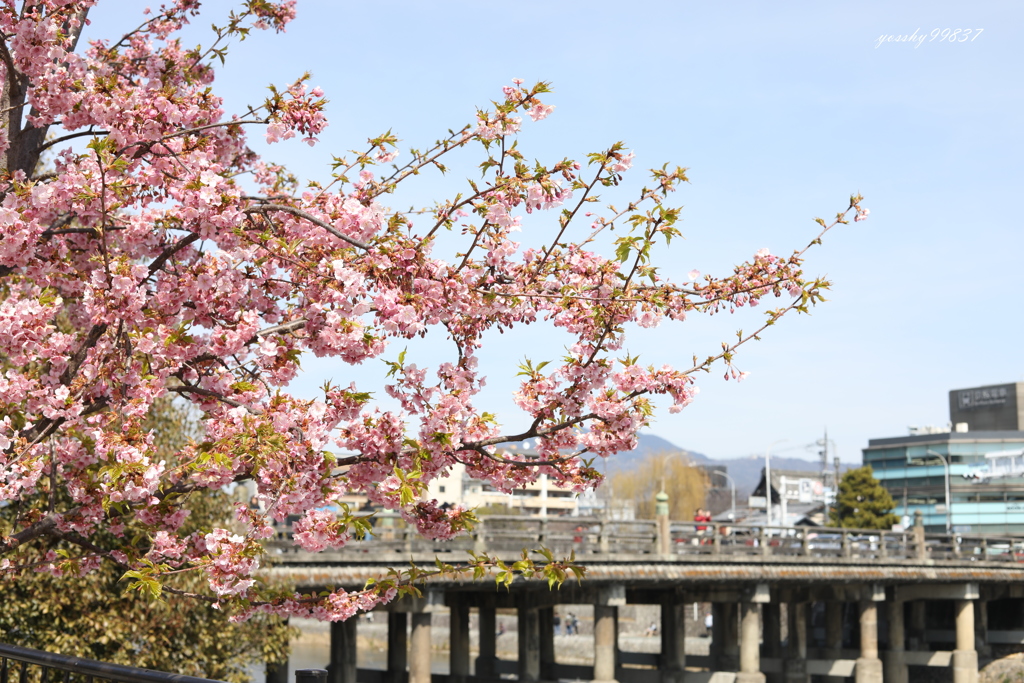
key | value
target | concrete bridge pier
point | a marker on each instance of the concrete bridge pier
(421, 609)
(716, 648)
(834, 634)
(796, 659)
(869, 666)
(398, 648)
(604, 643)
(458, 649)
(673, 639)
(895, 662)
(487, 624)
(750, 643)
(965, 657)
(729, 650)
(771, 626)
(981, 626)
(606, 632)
(547, 644)
(419, 648)
(342, 668)
(917, 626)
(529, 641)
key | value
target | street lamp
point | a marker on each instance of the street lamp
(768, 479)
(732, 484)
(945, 465)
(664, 466)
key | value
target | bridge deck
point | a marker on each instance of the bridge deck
(634, 553)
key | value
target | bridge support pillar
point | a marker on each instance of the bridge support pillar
(717, 637)
(398, 648)
(965, 657)
(796, 660)
(343, 651)
(981, 628)
(917, 625)
(673, 640)
(834, 634)
(458, 650)
(605, 642)
(869, 666)
(725, 640)
(488, 627)
(896, 658)
(529, 643)
(750, 645)
(547, 643)
(724, 649)
(419, 650)
(771, 620)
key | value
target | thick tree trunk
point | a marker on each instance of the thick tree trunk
(25, 142)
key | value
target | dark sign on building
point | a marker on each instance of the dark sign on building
(992, 408)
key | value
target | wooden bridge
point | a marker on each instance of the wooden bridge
(789, 604)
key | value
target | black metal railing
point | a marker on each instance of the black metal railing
(24, 665)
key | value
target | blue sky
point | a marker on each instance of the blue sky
(781, 111)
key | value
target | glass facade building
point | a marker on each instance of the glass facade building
(911, 468)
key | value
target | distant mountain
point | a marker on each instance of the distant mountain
(649, 444)
(746, 472)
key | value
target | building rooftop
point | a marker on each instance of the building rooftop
(945, 437)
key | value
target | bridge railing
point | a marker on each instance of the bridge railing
(510, 534)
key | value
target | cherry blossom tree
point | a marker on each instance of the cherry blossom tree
(156, 255)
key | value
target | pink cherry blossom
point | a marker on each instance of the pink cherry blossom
(161, 257)
(541, 111)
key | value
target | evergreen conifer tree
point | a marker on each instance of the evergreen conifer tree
(863, 503)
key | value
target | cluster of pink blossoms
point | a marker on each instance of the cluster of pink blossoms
(157, 256)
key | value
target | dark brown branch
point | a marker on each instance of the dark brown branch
(43, 527)
(565, 224)
(264, 208)
(534, 431)
(534, 462)
(160, 260)
(76, 361)
(189, 389)
(64, 138)
(279, 329)
(147, 145)
(292, 326)
(78, 231)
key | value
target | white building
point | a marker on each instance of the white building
(542, 497)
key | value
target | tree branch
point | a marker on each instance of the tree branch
(76, 360)
(160, 260)
(43, 527)
(189, 389)
(278, 329)
(264, 208)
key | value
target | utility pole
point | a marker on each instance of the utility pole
(835, 463)
(823, 455)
